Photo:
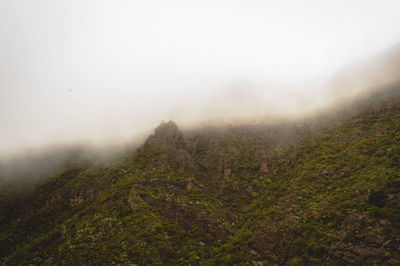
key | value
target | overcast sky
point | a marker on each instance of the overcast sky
(106, 70)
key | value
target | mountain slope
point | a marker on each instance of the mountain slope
(233, 196)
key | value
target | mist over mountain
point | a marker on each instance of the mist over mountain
(325, 190)
(199, 132)
(367, 75)
(346, 94)
(106, 73)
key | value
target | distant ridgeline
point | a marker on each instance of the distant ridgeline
(255, 195)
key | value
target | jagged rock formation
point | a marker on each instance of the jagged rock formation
(166, 135)
(169, 142)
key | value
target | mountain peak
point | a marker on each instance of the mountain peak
(166, 129)
(166, 135)
(172, 145)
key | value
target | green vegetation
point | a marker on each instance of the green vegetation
(222, 197)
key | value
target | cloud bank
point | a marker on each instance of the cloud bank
(106, 72)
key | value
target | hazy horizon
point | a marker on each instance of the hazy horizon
(103, 72)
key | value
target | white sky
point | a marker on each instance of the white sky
(130, 64)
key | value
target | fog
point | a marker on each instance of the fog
(107, 72)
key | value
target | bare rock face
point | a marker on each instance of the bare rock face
(170, 142)
(190, 185)
(166, 135)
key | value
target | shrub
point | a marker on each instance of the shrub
(377, 198)
(394, 155)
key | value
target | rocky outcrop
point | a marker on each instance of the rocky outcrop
(167, 136)
(169, 141)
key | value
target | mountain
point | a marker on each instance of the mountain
(370, 74)
(307, 194)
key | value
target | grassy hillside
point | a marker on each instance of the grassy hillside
(233, 196)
